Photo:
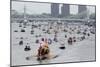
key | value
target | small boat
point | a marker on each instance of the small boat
(42, 55)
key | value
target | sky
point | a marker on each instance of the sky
(39, 8)
(31, 8)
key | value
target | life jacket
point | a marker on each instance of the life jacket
(43, 50)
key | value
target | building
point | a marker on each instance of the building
(81, 8)
(65, 10)
(54, 9)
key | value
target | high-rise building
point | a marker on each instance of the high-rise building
(65, 10)
(81, 8)
(54, 9)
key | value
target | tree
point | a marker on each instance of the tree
(92, 16)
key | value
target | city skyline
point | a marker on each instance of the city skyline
(44, 8)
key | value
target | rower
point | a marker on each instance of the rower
(21, 42)
(43, 50)
(27, 48)
(70, 41)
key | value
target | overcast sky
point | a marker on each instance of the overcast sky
(38, 8)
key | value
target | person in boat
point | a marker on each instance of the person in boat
(74, 39)
(70, 41)
(43, 51)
